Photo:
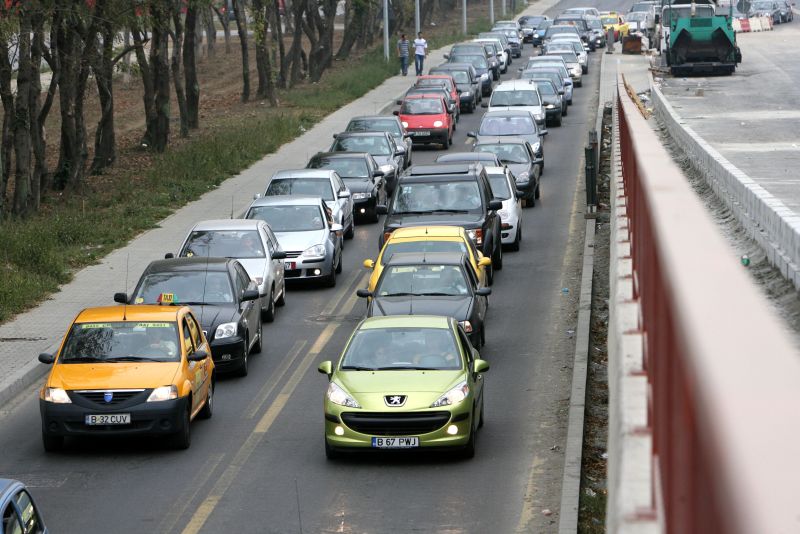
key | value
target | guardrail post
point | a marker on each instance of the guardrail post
(590, 153)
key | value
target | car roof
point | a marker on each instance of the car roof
(140, 312)
(287, 200)
(515, 85)
(454, 157)
(443, 170)
(405, 321)
(304, 173)
(500, 140)
(361, 134)
(427, 231)
(374, 117)
(194, 264)
(227, 224)
(341, 155)
(508, 113)
(420, 258)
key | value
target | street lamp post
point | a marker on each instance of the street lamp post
(491, 12)
(416, 16)
(464, 17)
(386, 29)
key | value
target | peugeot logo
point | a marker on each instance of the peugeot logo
(108, 396)
(394, 401)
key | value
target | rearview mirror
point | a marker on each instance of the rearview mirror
(484, 104)
(447, 56)
(197, 356)
(495, 204)
(47, 358)
(250, 294)
(543, 132)
(483, 291)
(256, 196)
(369, 264)
(363, 293)
(399, 102)
(400, 151)
(377, 172)
(169, 256)
(279, 255)
(472, 135)
(122, 298)
(480, 366)
(326, 368)
(395, 112)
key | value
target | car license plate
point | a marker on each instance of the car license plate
(420, 134)
(288, 265)
(108, 419)
(395, 443)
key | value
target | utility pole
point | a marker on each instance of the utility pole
(416, 17)
(386, 29)
(464, 17)
(504, 9)
(491, 12)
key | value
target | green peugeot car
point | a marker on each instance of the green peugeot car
(405, 382)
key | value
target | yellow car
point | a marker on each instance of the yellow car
(616, 22)
(430, 239)
(128, 370)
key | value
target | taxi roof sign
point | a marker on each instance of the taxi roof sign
(166, 298)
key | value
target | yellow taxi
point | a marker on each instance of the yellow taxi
(615, 21)
(128, 370)
(429, 239)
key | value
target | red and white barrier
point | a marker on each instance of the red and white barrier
(755, 24)
(766, 23)
(745, 25)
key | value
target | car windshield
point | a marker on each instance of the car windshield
(510, 32)
(595, 24)
(240, 244)
(310, 187)
(398, 247)
(377, 145)
(437, 197)
(506, 153)
(344, 167)
(479, 62)
(555, 30)
(460, 76)
(545, 61)
(435, 82)
(640, 15)
(639, 8)
(375, 125)
(500, 188)
(531, 21)
(766, 6)
(422, 280)
(543, 26)
(466, 50)
(514, 98)
(569, 57)
(422, 106)
(389, 349)
(289, 218)
(700, 11)
(507, 126)
(189, 287)
(609, 20)
(545, 87)
(121, 341)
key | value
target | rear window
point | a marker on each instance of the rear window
(435, 82)
(185, 287)
(374, 125)
(374, 144)
(398, 247)
(500, 188)
(310, 187)
(515, 98)
(344, 167)
(239, 244)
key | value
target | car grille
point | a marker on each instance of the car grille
(395, 424)
(293, 254)
(97, 396)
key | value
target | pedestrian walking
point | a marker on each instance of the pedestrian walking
(420, 47)
(402, 52)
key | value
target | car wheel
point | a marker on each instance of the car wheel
(559, 120)
(268, 313)
(373, 215)
(330, 452)
(490, 276)
(515, 245)
(469, 449)
(530, 201)
(52, 443)
(282, 299)
(259, 345)
(538, 192)
(330, 280)
(208, 408)
(497, 259)
(242, 370)
(480, 421)
(483, 336)
(351, 230)
(182, 439)
(339, 265)
(569, 103)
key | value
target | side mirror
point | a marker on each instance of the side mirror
(363, 293)
(543, 132)
(395, 112)
(561, 91)
(447, 56)
(401, 150)
(335, 135)
(520, 69)
(377, 172)
(197, 356)
(344, 194)
(519, 193)
(381, 209)
(480, 366)
(122, 298)
(47, 358)
(406, 135)
(250, 294)
(484, 262)
(369, 264)
(336, 227)
(399, 102)
(169, 256)
(326, 368)
(484, 104)
(279, 255)
(495, 204)
(472, 135)
(483, 291)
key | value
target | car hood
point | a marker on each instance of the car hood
(456, 307)
(532, 109)
(397, 382)
(467, 220)
(359, 185)
(299, 241)
(518, 168)
(384, 160)
(550, 99)
(213, 315)
(255, 267)
(120, 375)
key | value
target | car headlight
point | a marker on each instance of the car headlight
(437, 124)
(484, 76)
(163, 393)
(538, 116)
(56, 396)
(317, 251)
(358, 196)
(503, 217)
(476, 235)
(536, 147)
(523, 177)
(536, 35)
(337, 396)
(226, 330)
(576, 70)
(465, 93)
(405, 124)
(550, 106)
(454, 396)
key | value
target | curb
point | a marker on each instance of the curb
(25, 377)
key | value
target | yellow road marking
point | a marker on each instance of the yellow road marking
(176, 512)
(263, 394)
(227, 477)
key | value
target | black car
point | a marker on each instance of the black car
(361, 175)
(552, 100)
(223, 297)
(487, 159)
(431, 283)
(380, 145)
(384, 123)
(519, 156)
(448, 194)
(538, 34)
(497, 125)
(529, 23)
(467, 82)
(481, 67)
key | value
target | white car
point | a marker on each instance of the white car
(504, 188)
(323, 183)
(571, 46)
(502, 56)
(514, 95)
(253, 244)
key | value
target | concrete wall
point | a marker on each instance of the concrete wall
(766, 219)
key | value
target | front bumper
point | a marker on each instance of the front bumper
(150, 418)
(227, 353)
(508, 231)
(429, 135)
(516, 49)
(553, 114)
(486, 86)
(363, 206)
(308, 269)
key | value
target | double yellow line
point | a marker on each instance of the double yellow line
(224, 482)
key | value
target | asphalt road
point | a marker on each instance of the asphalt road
(258, 465)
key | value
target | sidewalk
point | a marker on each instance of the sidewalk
(40, 329)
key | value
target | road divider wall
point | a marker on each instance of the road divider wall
(703, 379)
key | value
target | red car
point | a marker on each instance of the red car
(426, 119)
(437, 80)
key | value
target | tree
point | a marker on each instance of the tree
(175, 63)
(266, 87)
(161, 73)
(241, 27)
(190, 66)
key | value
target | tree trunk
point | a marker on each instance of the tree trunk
(161, 74)
(222, 15)
(105, 143)
(35, 106)
(277, 33)
(190, 68)
(8, 114)
(295, 52)
(266, 88)
(211, 31)
(149, 94)
(241, 26)
(177, 43)
(22, 123)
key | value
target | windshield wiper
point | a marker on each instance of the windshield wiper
(435, 294)
(404, 368)
(397, 295)
(357, 368)
(513, 161)
(449, 211)
(82, 359)
(411, 212)
(129, 359)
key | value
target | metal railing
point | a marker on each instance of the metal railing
(723, 376)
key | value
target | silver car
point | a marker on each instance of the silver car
(306, 231)
(575, 46)
(253, 244)
(323, 183)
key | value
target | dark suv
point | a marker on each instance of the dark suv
(448, 194)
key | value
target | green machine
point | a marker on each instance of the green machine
(695, 40)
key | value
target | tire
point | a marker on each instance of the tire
(480, 421)
(373, 216)
(182, 439)
(530, 202)
(497, 259)
(208, 408)
(52, 443)
(268, 313)
(515, 245)
(259, 345)
(330, 280)
(559, 120)
(483, 335)
(282, 299)
(490, 276)
(339, 265)
(350, 231)
(243, 368)
(538, 191)
(330, 452)
(468, 451)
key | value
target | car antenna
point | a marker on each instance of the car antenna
(125, 304)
